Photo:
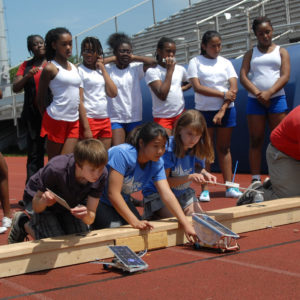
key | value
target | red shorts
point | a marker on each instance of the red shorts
(101, 128)
(58, 131)
(168, 123)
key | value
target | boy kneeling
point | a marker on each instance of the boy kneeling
(79, 178)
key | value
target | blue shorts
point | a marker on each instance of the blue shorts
(229, 119)
(126, 126)
(278, 105)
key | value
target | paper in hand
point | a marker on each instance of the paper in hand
(60, 200)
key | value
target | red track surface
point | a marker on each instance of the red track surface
(266, 267)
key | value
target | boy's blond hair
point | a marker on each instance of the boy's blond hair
(91, 151)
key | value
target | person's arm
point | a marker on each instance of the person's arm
(42, 200)
(146, 60)
(186, 86)
(245, 68)
(87, 133)
(49, 72)
(110, 87)
(282, 80)
(20, 81)
(172, 204)
(115, 183)
(179, 180)
(110, 59)
(86, 213)
(161, 88)
(1, 95)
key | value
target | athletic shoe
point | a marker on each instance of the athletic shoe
(6, 222)
(233, 192)
(248, 196)
(267, 183)
(204, 196)
(255, 179)
(3, 229)
(17, 234)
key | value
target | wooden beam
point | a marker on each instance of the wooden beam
(57, 252)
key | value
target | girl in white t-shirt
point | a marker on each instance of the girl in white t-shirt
(61, 118)
(96, 85)
(264, 73)
(125, 109)
(215, 83)
(165, 82)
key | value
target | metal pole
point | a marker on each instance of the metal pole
(190, 3)
(287, 12)
(249, 30)
(217, 23)
(76, 45)
(153, 11)
(116, 23)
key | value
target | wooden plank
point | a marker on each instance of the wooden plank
(73, 249)
(151, 241)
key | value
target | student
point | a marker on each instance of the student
(61, 118)
(4, 195)
(215, 83)
(78, 178)
(126, 108)
(165, 82)
(189, 146)
(27, 78)
(269, 66)
(131, 167)
(96, 86)
(283, 158)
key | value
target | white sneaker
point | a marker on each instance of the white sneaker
(3, 229)
(6, 222)
(204, 197)
(233, 193)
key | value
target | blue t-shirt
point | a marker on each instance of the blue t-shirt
(123, 158)
(179, 167)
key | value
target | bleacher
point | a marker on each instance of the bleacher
(183, 29)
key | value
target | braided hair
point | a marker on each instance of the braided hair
(95, 44)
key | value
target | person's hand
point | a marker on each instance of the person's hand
(264, 98)
(143, 225)
(100, 63)
(33, 71)
(218, 117)
(190, 233)
(48, 198)
(209, 177)
(80, 211)
(170, 63)
(230, 95)
(197, 178)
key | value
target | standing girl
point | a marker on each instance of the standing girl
(189, 146)
(61, 118)
(165, 82)
(215, 83)
(269, 66)
(131, 167)
(125, 109)
(96, 86)
(27, 78)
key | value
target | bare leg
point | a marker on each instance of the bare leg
(162, 214)
(118, 136)
(4, 194)
(275, 119)
(53, 149)
(69, 145)
(223, 152)
(211, 132)
(106, 142)
(256, 126)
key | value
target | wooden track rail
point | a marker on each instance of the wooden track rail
(62, 251)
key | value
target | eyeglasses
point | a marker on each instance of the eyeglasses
(123, 51)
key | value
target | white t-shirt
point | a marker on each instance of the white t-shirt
(65, 89)
(95, 100)
(174, 103)
(213, 73)
(265, 70)
(127, 106)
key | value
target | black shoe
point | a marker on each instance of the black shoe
(248, 196)
(21, 203)
(267, 183)
(17, 233)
